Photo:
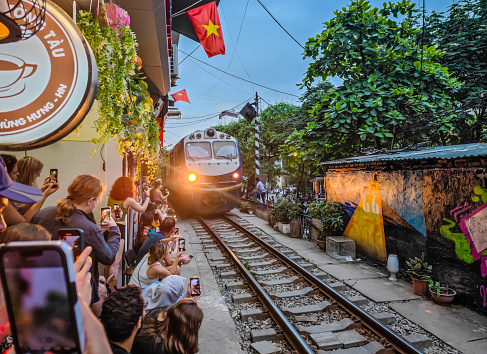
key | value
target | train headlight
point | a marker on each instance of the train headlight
(192, 177)
(235, 175)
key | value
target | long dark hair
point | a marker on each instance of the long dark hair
(178, 327)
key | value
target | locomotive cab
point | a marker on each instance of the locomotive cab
(209, 172)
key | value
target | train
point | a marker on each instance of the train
(203, 173)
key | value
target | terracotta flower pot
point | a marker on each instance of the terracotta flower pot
(272, 222)
(446, 296)
(321, 244)
(420, 287)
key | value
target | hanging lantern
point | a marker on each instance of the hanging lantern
(114, 16)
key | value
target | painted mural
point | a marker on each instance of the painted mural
(370, 198)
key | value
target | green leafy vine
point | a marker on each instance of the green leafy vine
(126, 108)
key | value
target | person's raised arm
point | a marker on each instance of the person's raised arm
(13, 217)
(130, 202)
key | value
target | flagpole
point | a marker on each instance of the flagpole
(257, 134)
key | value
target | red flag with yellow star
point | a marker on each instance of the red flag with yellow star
(207, 26)
(180, 96)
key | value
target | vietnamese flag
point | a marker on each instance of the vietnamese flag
(207, 26)
(180, 96)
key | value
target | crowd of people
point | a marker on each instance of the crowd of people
(155, 313)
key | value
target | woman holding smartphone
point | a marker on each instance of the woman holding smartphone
(153, 266)
(72, 212)
(123, 193)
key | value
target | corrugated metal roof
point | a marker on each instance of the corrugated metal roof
(440, 152)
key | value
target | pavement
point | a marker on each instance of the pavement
(457, 326)
(217, 332)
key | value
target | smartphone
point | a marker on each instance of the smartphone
(38, 281)
(74, 238)
(195, 286)
(53, 175)
(182, 244)
(117, 211)
(105, 213)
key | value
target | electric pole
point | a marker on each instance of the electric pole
(257, 135)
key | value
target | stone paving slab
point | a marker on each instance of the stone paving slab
(382, 289)
(460, 327)
(304, 310)
(327, 327)
(282, 281)
(265, 347)
(371, 348)
(270, 272)
(293, 293)
(346, 271)
(217, 333)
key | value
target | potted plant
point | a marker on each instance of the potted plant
(315, 212)
(321, 241)
(244, 207)
(271, 216)
(332, 218)
(285, 211)
(441, 295)
(420, 273)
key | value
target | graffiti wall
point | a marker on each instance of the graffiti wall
(440, 212)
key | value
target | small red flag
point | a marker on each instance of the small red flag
(180, 96)
(207, 26)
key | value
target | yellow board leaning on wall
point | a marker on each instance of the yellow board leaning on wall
(366, 226)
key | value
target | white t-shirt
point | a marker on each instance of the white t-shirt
(260, 186)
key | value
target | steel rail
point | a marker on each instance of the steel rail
(291, 334)
(397, 341)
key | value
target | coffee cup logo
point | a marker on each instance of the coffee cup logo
(47, 83)
(13, 70)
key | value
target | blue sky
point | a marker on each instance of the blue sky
(264, 54)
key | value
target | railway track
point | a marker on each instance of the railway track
(323, 319)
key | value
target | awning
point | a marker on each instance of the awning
(181, 23)
(148, 21)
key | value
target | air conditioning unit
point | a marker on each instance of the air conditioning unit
(174, 61)
(173, 113)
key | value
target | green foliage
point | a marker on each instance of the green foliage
(434, 286)
(331, 216)
(271, 213)
(244, 205)
(286, 209)
(418, 268)
(391, 93)
(461, 33)
(125, 110)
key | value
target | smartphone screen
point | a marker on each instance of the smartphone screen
(53, 174)
(41, 299)
(105, 213)
(182, 244)
(117, 211)
(195, 286)
(74, 238)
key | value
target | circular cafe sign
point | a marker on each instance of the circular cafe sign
(47, 82)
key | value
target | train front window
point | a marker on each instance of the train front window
(198, 151)
(225, 150)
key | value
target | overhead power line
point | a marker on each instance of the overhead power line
(240, 78)
(289, 34)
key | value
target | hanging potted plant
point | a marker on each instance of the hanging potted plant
(420, 273)
(441, 295)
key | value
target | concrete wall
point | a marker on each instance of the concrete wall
(74, 155)
(442, 212)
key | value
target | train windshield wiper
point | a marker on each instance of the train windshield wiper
(226, 156)
(191, 157)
